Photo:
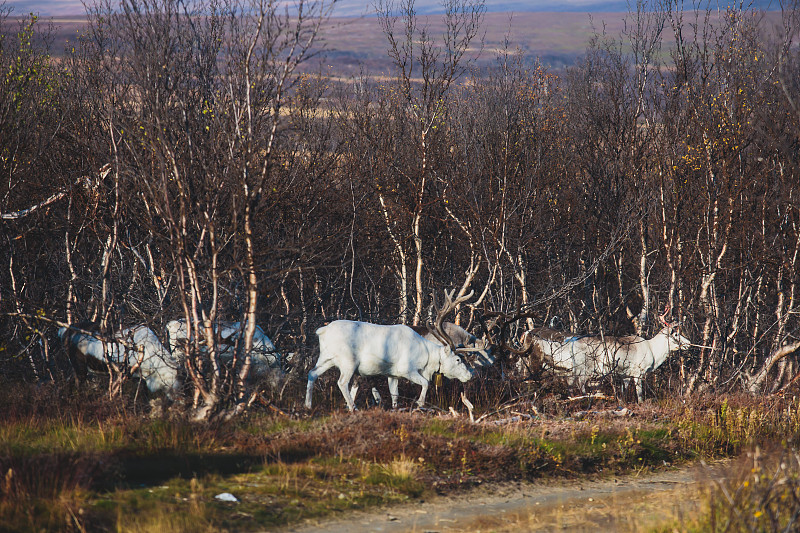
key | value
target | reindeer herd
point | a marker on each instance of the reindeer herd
(395, 351)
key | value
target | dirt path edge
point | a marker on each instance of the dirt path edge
(631, 502)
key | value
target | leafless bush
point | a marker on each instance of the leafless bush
(191, 171)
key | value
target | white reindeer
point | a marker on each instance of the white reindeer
(138, 348)
(395, 351)
(265, 360)
(462, 340)
(632, 357)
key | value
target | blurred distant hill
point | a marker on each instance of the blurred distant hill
(355, 8)
(556, 38)
(353, 39)
(352, 8)
(350, 43)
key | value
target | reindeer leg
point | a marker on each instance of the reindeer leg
(344, 381)
(313, 374)
(639, 388)
(421, 381)
(393, 390)
(376, 396)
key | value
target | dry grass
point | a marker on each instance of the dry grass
(94, 467)
(760, 493)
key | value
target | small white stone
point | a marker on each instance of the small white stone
(226, 497)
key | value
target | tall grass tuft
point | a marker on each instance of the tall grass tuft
(161, 520)
(763, 496)
(178, 436)
(167, 517)
(399, 474)
(46, 492)
(728, 425)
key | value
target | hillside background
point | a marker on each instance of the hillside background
(355, 8)
(555, 33)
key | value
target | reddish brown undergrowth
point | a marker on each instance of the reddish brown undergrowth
(380, 437)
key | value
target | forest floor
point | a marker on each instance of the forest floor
(73, 462)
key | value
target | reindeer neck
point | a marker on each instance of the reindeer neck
(98, 348)
(661, 347)
(433, 351)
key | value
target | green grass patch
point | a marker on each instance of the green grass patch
(33, 436)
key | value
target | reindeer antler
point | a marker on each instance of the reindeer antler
(661, 317)
(504, 320)
(669, 324)
(441, 312)
(486, 328)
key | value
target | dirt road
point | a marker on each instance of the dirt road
(629, 503)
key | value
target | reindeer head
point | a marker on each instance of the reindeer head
(672, 331)
(483, 349)
(453, 367)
